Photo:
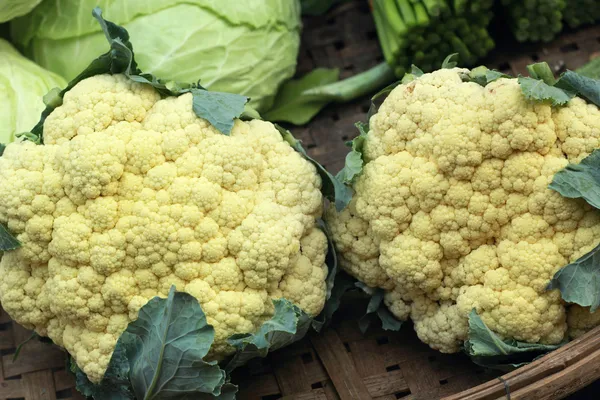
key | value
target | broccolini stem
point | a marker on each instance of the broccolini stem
(367, 82)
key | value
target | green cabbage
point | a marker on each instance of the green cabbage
(247, 47)
(10, 9)
(22, 85)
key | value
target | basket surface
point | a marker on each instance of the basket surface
(342, 363)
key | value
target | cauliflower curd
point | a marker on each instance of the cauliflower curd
(132, 194)
(452, 211)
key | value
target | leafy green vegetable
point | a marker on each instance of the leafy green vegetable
(538, 90)
(293, 105)
(377, 308)
(584, 86)
(288, 324)
(250, 50)
(487, 349)
(333, 189)
(7, 241)
(314, 98)
(580, 180)
(354, 159)
(15, 8)
(22, 85)
(579, 281)
(220, 109)
(451, 61)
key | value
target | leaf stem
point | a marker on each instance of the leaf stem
(155, 378)
(354, 87)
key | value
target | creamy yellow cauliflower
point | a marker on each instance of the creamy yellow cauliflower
(452, 211)
(132, 194)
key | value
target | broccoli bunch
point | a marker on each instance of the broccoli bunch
(424, 32)
(581, 12)
(535, 20)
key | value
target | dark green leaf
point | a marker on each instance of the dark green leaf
(293, 105)
(491, 75)
(288, 324)
(538, 90)
(114, 386)
(582, 85)
(541, 71)
(166, 346)
(342, 284)
(354, 159)
(7, 241)
(220, 109)
(580, 180)
(450, 62)
(332, 189)
(482, 75)
(333, 298)
(2, 147)
(487, 349)
(579, 281)
(160, 355)
(376, 307)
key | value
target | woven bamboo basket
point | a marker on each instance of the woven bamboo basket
(341, 362)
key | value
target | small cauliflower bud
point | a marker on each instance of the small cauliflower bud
(441, 325)
(452, 210)
(131, 195)
(581, 320)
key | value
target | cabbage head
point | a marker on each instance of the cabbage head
(248, 47)
(22, 86)
(10, 9)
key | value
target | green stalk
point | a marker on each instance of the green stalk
(407, 12)
(383, 33)
(359, 85)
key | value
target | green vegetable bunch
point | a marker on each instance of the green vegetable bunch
(581, 12)
(424, 32)
(534, 20)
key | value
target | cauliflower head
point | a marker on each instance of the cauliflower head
(131, 194)
(452, 211)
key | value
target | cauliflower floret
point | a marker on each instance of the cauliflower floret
(132, 194)
(452, 209)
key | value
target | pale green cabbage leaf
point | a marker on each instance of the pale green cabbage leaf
(10, 9)
(22, 87)
(248, 49)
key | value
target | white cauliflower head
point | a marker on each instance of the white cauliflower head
(452, 211)
(131, 194)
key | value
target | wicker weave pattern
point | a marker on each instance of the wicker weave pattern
(39, 371)
(343, 363)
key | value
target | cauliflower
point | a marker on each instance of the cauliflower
(131, 194)
(452, 210)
